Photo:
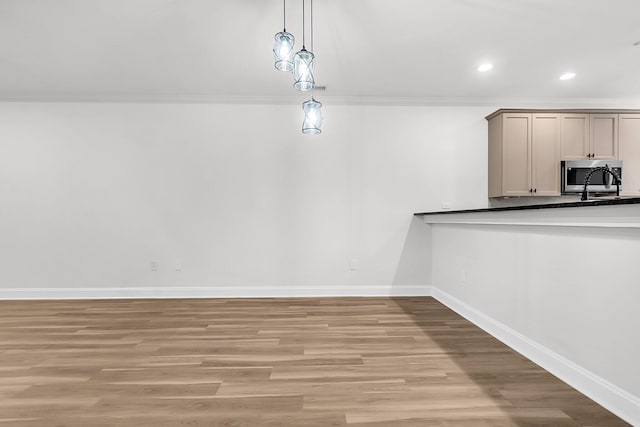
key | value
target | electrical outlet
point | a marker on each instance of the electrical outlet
(154, 266)
(178, 266)
(445, 206)
(353, 264)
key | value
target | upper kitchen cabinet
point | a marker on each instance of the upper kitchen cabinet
(630, 153)
(589, 136)
(510, 155)
(603, 136)
(575, 136)
(545, 149)
(524, 154)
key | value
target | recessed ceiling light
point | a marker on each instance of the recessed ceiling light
(567, 76)
(485, 67)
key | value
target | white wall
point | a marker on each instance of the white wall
(92, 193)
(573, 290)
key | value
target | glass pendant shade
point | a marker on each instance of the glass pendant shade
(312, 117)
(303, 70)
(283, 51)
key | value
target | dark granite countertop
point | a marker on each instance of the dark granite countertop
(593, 202)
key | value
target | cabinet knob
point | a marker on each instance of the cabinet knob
(531, 190)
(535, 190)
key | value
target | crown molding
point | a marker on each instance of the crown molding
(400, 101)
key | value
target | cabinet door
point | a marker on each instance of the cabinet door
(574, 136)
(630, 153)
(516, 152)
(545, 146)
(604, 136)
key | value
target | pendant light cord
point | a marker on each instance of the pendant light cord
(311, 41)
(284, 16)
(303, 38)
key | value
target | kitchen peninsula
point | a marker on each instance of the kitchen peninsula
(557, 282)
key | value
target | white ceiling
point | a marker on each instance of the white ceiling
(423, 51)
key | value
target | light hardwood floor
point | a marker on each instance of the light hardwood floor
(269, 362)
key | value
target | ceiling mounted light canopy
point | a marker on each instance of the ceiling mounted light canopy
(567, 76)
(303, 61)
(485, 67)
(283, 46)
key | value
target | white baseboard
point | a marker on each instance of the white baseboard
(211, 292)
(620, 402)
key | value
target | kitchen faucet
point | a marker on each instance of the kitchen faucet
(587, 181)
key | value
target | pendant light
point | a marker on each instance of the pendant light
(283, 46)
(312, 109)
(312, 117)
(303, 62)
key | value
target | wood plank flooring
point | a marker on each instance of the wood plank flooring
(269, 362)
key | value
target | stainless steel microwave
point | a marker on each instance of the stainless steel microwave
(574, 173)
